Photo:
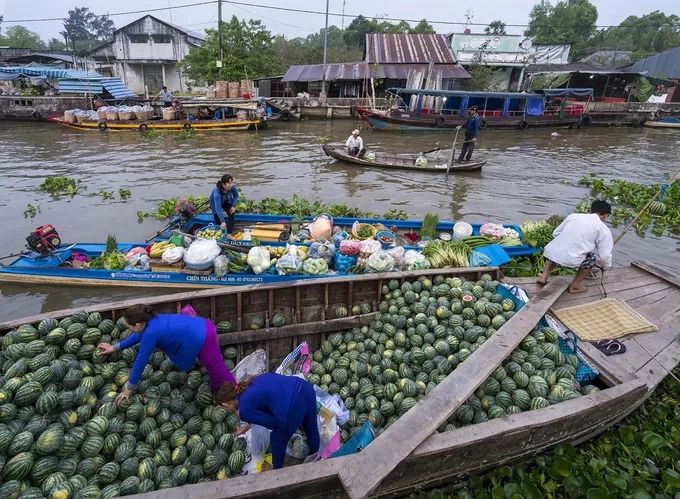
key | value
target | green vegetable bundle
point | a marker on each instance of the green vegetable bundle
(442, 254)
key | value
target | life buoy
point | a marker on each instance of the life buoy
(143, 127)
(587, 120)
(285, 114)
(353, 111)
(102, 126)
(523, 125)
(439, 121)
(186, 126)
(36, 116)
(482, 124)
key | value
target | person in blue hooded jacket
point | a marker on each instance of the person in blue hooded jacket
(223, 199)
(279, 403)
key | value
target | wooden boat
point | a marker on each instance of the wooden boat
(440, 163)
(59, 267)
(164, 125)
(409, 455)
(663, 123)
(444, 110)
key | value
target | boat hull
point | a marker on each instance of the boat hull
(663, 123)
(411, 122)
(404, 162)
(163, 125)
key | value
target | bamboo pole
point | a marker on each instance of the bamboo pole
(646, 207)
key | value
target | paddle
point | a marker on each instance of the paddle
(453, 151)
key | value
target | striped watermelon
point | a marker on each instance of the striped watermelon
(49, 441)
(18, 467)
(236, 461)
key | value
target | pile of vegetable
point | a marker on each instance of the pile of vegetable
(110, 259)
(443, 254)
(539, 234)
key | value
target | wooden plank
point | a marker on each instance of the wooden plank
(624, 290)
(661, 366)
(665, 307)
(416, 425)
(293, 330)
(659, 272)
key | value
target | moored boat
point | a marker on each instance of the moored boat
(408, 455)
(663, 123)
(442, 110)
(441, 162)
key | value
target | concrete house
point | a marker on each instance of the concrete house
(145, 52)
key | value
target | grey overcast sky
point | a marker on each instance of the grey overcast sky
(298, 24)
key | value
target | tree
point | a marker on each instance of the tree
(495, 28)
(248, 48)
(56, 44)
(355, 33)
(21, 37)
(422, 28)
(84, 30)
(568, 21)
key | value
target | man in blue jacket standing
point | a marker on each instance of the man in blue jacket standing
(471, 131)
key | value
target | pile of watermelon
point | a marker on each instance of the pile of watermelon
(62, 436)
(422, 332)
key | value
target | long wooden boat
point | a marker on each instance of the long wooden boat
(61, 267)
(663, 123)
(440, 163)
(444, 110)
(164, 125)
(409, 456)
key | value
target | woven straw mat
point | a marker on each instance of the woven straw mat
(608, 318)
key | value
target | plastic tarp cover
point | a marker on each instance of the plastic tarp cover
(534, 107)
(506, 107)
(645, 89)
(568, 92)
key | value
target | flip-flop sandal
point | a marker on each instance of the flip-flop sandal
(610, 347)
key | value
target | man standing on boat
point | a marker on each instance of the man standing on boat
(355, 145)
(581, 242)
(471, 131)
(166, 97)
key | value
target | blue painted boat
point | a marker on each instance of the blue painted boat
(663, 123)
(60, 268)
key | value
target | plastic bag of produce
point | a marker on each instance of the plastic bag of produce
(370, 246)
(415, 260)
(398, 254)
(343, 262)
(202, 251)
(333, 403)
(173, 255)
(298, 446)
(380, 262)
(257, 443)
(259, 259)
(350, 247)
(322, 249)
(138, 261)
(220, 266)
(251, 365)
(296, 362)
(321, 228)
(315, 266)
(289, 265)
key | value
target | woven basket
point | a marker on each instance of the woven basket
(70, 118)
(126, 116)
(144, 115)
(112, 115)
(170, 115)
(357, 226)
(81, 119)
(101, 114)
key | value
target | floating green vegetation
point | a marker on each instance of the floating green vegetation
(61, 186)
(31, 211)
(628, 198)
(320, 139)
(638, 458)
(124, 193)
(151, 133)
(104, 194)
(187, 133)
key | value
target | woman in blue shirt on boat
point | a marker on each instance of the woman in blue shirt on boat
(279, 403)
(223, 200)
(182, 338)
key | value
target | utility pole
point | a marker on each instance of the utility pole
(343, 14)
(325, 47)
(219, 32)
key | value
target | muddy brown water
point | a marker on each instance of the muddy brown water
(529, 176)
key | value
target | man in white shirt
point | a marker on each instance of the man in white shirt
(355, 145)
(581, 242)
(166, 97)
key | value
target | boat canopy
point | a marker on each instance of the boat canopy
(568, 92)
(465, 93)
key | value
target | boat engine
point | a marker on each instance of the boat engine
(43, 240)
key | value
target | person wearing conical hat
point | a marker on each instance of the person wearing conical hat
(355, 145)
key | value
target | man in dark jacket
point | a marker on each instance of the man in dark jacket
(471, 126)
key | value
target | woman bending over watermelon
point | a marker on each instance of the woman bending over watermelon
(181, 337)
(280, 403)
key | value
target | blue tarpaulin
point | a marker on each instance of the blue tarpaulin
(534, 107)
(568, 92)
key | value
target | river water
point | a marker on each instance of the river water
(529, 176)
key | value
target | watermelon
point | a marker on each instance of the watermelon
(657, 208)
(223, 327)
(18, 467)
(236, 461)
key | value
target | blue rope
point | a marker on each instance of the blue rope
(664, 188)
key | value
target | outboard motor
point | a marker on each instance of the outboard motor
(43, 240)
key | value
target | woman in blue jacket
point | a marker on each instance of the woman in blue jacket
(279, 403)
(182, 338)
(223, 199)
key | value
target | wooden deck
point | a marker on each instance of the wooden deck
(652, 292)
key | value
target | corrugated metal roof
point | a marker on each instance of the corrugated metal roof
(362, 70)
(575, 67)
(50, 72)
(666, 63)
(408, 49)
(116, 88)
(78, 86)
